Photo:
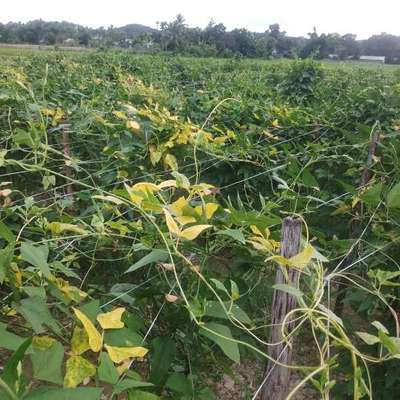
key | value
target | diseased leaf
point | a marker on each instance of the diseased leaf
(112, 319)
(77, 369)
(194, 231)
(95, 339)
(79, 341)
(119, 354)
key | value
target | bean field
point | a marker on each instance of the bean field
(148, 215)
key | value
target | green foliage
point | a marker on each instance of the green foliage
(140, 257)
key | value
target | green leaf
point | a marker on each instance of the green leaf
(65, 394)
(283, 287)
(393, 199)
(107, 371)
(140, 395)
(127, 384)
(236, 234)
(308, 179)
(214, 309)
(6, 256)
(37, 256)
(10, 372)
(91, 310)
(220, 286)
(47, 363)
(9, 340)
(367, 338)
(179, 383)
(6, 233)
(156, 255)
(222, 338)
(163, 354)
(124, 337)
(36, 312)
(372, 196)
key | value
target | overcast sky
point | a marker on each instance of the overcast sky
(296, 17)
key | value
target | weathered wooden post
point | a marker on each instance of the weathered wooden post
(277, 385)
(355, 226)
(67, 154)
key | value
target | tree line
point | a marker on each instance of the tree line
(212, 41)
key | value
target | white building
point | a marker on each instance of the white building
(375, 59)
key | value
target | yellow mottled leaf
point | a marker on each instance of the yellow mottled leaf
(95, 339)
(120, 115)
(192, 232)
(59, 227)
(155, 155)
(112, 319)
(79, 341)
(209, 209)
(171, 162)
(119, 354)
(77, 369)
(42, 342)
(171, 224)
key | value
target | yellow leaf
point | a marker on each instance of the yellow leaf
(178, 206)
(95, 339)
(275, 123)
(79, 341)
(145, 187)
(167, 184)
(299, 261)
(120, 115)
(184, 219)
(112, 319)
(59, 227)
(171, 162)
(209, 209)
(77, 370)
(155, 155)
(171, 224)
(133, 126)
(192, 232)
(119, 354)
(302, 259)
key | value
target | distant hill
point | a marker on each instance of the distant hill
(132, 30)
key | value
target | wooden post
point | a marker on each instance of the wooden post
(277, 382)
(355, 227)
(67, 153)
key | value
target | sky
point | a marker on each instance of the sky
(296, 17)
